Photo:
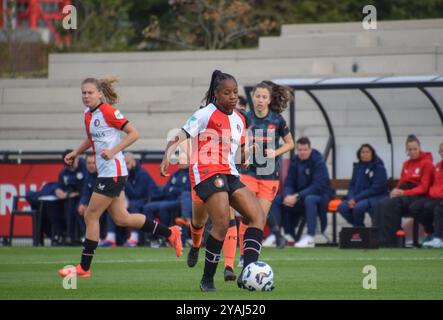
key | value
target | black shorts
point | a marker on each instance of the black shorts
(218, 183)
(110, 186)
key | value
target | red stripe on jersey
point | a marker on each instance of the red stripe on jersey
(88, 117)
(112, 116)
(119, 168)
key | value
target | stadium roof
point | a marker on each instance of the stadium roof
(420, 82)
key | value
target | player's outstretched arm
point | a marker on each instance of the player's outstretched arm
(69, 158)
(169, 150)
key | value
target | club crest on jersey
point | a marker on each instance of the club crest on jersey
(218, 124)
(219, 183)
(96, 122)
(238, 128)
(417, 171)
(271, 126)
(118, 114)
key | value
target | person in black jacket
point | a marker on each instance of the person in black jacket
(367, 188)
(307, 190)
(70, 185)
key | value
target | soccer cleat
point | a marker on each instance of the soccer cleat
(434, 243)
(78, 271)
(240, 262)
(306, 242)
(290, 239)
(269, 241)
(240, 282)
(176, 240)
(182, 221)
(229, 274)
(207, 285)
(192, 257)
(106, 243)
(130, 243)
(280, 242)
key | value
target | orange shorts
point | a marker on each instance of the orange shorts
(195, 198)
(266, 189)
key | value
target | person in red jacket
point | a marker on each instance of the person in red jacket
(429, 211)
(414, 183)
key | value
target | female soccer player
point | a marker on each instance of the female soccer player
(217, 131)
(200, 217)
(103, 125)
(267, 126)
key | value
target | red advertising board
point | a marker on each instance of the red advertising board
(17, 179)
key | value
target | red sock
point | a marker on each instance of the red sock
(241, 235)
(230, 244)
(196, 236)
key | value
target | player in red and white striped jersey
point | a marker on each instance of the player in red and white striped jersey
(217, 131)
(103, 126)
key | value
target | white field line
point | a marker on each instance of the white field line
(169, 260)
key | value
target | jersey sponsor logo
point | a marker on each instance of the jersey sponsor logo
(218, 124)
(191, 120)
(219, 183)
(118, 115)
(98, 134)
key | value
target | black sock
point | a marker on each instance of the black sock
(252, 245)
(212, 256)
(89, 247)
(157, 229)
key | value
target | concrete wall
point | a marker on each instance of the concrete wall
(159, 90)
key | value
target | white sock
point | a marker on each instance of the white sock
(134, 236)
(110, 236)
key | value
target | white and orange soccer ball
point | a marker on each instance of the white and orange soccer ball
(258, 276)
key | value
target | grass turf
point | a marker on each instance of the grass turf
(145, 273)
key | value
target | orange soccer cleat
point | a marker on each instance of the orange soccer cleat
(176, 240)
(78, 271)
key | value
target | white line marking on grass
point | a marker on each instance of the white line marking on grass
(167, 260)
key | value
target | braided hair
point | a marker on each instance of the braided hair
(280, 95)
(216, 78)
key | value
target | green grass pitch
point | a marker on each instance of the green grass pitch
(145, 273)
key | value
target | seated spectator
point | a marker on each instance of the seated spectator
(414, 183)
(170, 199)
(70, 185)
(367, 188)
(52, 222)
(139, 189)
(274, 222)
(429, 210)
(88, 189)
(307, 191)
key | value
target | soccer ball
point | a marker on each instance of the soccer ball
(258, 276)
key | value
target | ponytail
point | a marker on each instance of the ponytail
(216, 77)
(106, 86)
(280, 95)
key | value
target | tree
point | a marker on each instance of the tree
(207, 24)
(102, 26)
